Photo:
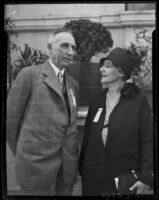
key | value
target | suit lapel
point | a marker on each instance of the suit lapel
(51, 79)
(102, 104)
(70, 94)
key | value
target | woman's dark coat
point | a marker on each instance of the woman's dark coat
(129, 142)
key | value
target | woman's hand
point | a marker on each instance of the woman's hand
(141, 188)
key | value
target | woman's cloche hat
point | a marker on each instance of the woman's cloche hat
(121, 57)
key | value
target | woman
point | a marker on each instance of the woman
(118, 138)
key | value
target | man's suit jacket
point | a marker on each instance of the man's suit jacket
(38, 129)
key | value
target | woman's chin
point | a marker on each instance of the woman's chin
(104, 85)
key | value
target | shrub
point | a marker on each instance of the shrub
(90, 37)
(29, 56)
(142, 48)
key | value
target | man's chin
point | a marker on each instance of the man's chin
(65, 64)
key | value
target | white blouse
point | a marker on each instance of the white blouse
(109, 108)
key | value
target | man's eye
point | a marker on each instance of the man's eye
(74, 48)
(65, 45)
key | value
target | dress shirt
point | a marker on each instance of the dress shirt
(56, 70)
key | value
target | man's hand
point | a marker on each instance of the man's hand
(141, 188)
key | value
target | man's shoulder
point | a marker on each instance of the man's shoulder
(32, 68)
(30, 71)
(72, 80)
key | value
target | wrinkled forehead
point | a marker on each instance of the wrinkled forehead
(105, 62)
(108, 62)
(64, 38)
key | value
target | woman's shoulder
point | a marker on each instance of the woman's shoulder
(141, 95)
(131, 91)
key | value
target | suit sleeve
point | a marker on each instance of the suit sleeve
(16, 102)
(146, 142)
(85, 138)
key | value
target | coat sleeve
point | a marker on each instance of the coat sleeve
(146, 143)
(85, 138)
(16, 102)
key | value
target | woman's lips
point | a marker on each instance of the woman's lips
(104, 75)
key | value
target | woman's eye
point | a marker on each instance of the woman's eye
(107, 65)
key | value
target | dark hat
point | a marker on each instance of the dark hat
(126, 62)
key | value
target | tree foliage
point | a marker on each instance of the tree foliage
(90, 37)
(29, 56)
(9, 28)
(143, 49)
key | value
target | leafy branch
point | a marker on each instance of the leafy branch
(90, 37)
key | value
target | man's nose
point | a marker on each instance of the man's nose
(71, 51)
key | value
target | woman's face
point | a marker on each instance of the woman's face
(109, 73)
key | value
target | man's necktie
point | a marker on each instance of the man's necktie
(64, 92)
(60, 78)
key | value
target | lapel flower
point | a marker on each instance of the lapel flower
(73, 97)
(130, 90)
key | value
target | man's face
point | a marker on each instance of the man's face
(63, 50)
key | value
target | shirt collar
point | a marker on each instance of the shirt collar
(56, 70)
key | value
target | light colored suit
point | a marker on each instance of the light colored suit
(38, 128)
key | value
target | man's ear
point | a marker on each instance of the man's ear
(50, 42)
(49, 46)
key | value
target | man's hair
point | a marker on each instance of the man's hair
(55, 32)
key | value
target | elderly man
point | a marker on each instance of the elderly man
(41, 122)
